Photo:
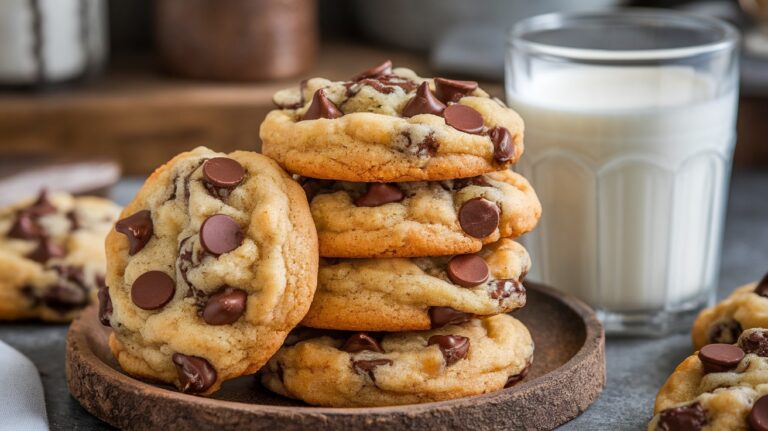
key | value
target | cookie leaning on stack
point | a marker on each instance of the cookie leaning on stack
(407, 182)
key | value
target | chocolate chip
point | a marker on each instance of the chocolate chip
(516, 378)
(138, 228)
(424, 102)
(461, 183)
(685, 418)
(313, 187)
(361, 341)
(441, 316)
(380, 194)
(321, 107)
(725, 331)
(479, 217)
(42, 205)
(25, 226)
(65, 297)
(451, 90)
(225, 306)
(717, 358)
(223, 172)
(367, 366)
(46, 249)
(503, 146)
(453, 347)
(463, 118)
(467, 270)
(105, 306)
(503, 289)
(74, 223)
(758, 417)
(762, 287)
(195, 373)
(152, 290)
(384, 68)
(220, 234)
(755, 341)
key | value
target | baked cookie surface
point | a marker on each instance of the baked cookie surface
(746, 307)
(358, 369)
(722, 387)
(420, 218)
(399, 294)
(210, 267)
(390, 125)
(52, 255)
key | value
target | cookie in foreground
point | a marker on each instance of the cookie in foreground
(210, 267)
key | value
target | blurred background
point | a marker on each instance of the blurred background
(125, 84)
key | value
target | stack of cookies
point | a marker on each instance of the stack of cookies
(415, 208)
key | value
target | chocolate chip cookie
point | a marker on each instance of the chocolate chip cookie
(746, 307)
(390, 125)
(377, 369)
(398, 294)
(210, 267)
(420, 218)
(722, 387)
(52, 255)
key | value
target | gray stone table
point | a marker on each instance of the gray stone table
(636, 366)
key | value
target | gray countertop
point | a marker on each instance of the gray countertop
(636, 366)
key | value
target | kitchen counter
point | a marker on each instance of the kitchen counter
(636, 366)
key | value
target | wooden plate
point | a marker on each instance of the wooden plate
(567, 375)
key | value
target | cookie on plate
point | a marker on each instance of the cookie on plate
(390, 125)
(746, 307)
(357, 369)
(52, 255)
(722, 387)
(210, 267)
(398, 294)
(420, 218)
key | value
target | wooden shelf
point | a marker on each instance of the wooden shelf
(139, 116)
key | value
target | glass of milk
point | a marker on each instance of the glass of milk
(630, 128)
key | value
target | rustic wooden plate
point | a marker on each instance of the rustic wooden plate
(567, 375)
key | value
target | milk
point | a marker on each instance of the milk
(631, 166)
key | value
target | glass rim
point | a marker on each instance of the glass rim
(728, 39)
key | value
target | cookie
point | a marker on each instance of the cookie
(420, 218)
(746, 307)
(721, 387)
(390, 125)
(398, 294)
(367, 369)
(209, 268)
(52, 255)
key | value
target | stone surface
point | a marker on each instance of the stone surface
(637, 367)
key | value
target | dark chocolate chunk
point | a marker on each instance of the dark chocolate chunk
(367, 366)
(65, 297)
(762, 287)
(321, 107)
(152, 290)
(451, 90)
(717, 358)
(441, 316)
(516, 378)
(223, 172)
(479, 217)
(25, 226)
(453, 347)
(195, 374)
(463, 118)
(503, 289)
(384, 68)
(424, 102)
(46, 249)
(468, 270)
(461, 183)
(361, 341)
(137, 228)
(755, 341)
(220, 234)
(225, 306)
(105, 306)
(684, 418)
(42, 205)
(725, 331)
(74, 223)
(380, 194)
(503, 146)
(758, 417)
